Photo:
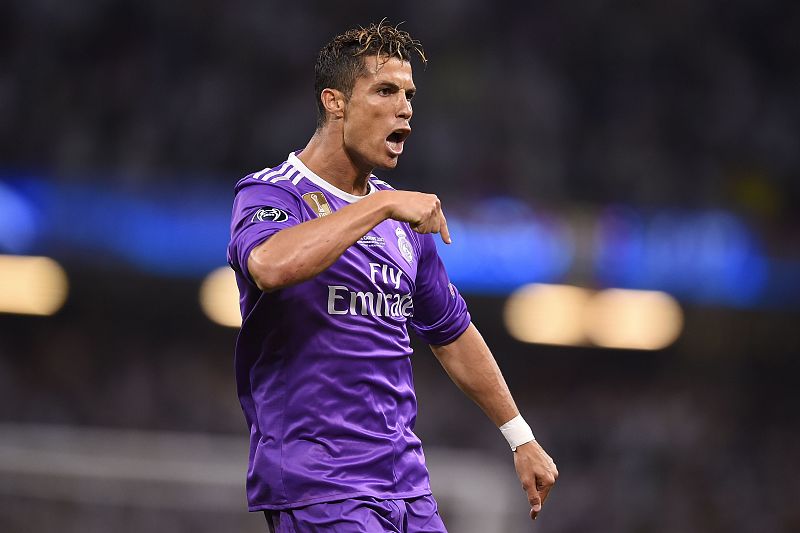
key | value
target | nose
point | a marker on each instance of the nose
(404, 110)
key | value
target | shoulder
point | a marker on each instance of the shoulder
(280, 179)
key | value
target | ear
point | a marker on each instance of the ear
(333, 102)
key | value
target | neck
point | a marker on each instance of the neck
(326, 157)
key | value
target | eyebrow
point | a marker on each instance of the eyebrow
(394, 86)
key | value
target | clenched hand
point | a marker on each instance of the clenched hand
(422, 211)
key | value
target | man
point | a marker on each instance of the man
(332, 266)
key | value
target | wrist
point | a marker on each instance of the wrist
(517, 432)
(383, 204)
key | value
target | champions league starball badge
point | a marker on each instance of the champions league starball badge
(404, 245)
(270, 214)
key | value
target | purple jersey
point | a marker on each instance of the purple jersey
(323, 368)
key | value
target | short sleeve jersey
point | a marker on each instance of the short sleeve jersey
(323, 367)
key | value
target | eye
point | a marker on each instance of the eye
(384, 91)
(410, 95)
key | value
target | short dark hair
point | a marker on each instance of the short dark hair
(341, 61)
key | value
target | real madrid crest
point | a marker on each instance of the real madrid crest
(404, 245)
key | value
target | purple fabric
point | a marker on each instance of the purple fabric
(323, 368)
(366, 514)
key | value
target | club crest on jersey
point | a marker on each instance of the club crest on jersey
(404, 245)
(270, 214)
(317, 202)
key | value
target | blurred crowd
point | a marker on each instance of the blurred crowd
(644, 442)
(691, 103)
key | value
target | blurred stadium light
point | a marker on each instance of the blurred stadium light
(704, 256)
(547, 314)
(643, 320)
(612, 318)
(708, 257)
(17, 221)
(219, 298)
(31, 285)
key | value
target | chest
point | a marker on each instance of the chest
(385, 258)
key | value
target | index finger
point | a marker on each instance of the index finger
(544, 492)
(443, 229)
(543, 488)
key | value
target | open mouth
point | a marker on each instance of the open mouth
(396, 139)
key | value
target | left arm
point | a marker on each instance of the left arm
(470, 364)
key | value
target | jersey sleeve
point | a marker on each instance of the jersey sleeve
(440, 313)
(259, 211)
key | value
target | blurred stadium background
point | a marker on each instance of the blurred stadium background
(622, 181)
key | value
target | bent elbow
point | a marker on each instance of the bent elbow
(266, 282)
(269, 276)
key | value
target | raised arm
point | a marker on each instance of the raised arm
(301, 252)
(470, 364)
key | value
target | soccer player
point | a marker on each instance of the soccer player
(333, 265)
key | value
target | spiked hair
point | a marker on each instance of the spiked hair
(341, 61)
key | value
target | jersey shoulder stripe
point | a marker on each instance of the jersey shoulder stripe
(285, 172)
(380, 183)
(284, 176)
(290, 174)
(264, 174)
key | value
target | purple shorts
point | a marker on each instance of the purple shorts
(356, 515)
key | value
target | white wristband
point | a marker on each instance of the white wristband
(517, 432)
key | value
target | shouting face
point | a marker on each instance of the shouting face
(377, 114)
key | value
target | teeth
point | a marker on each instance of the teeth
(394, 146)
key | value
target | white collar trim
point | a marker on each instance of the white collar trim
(346, 196)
